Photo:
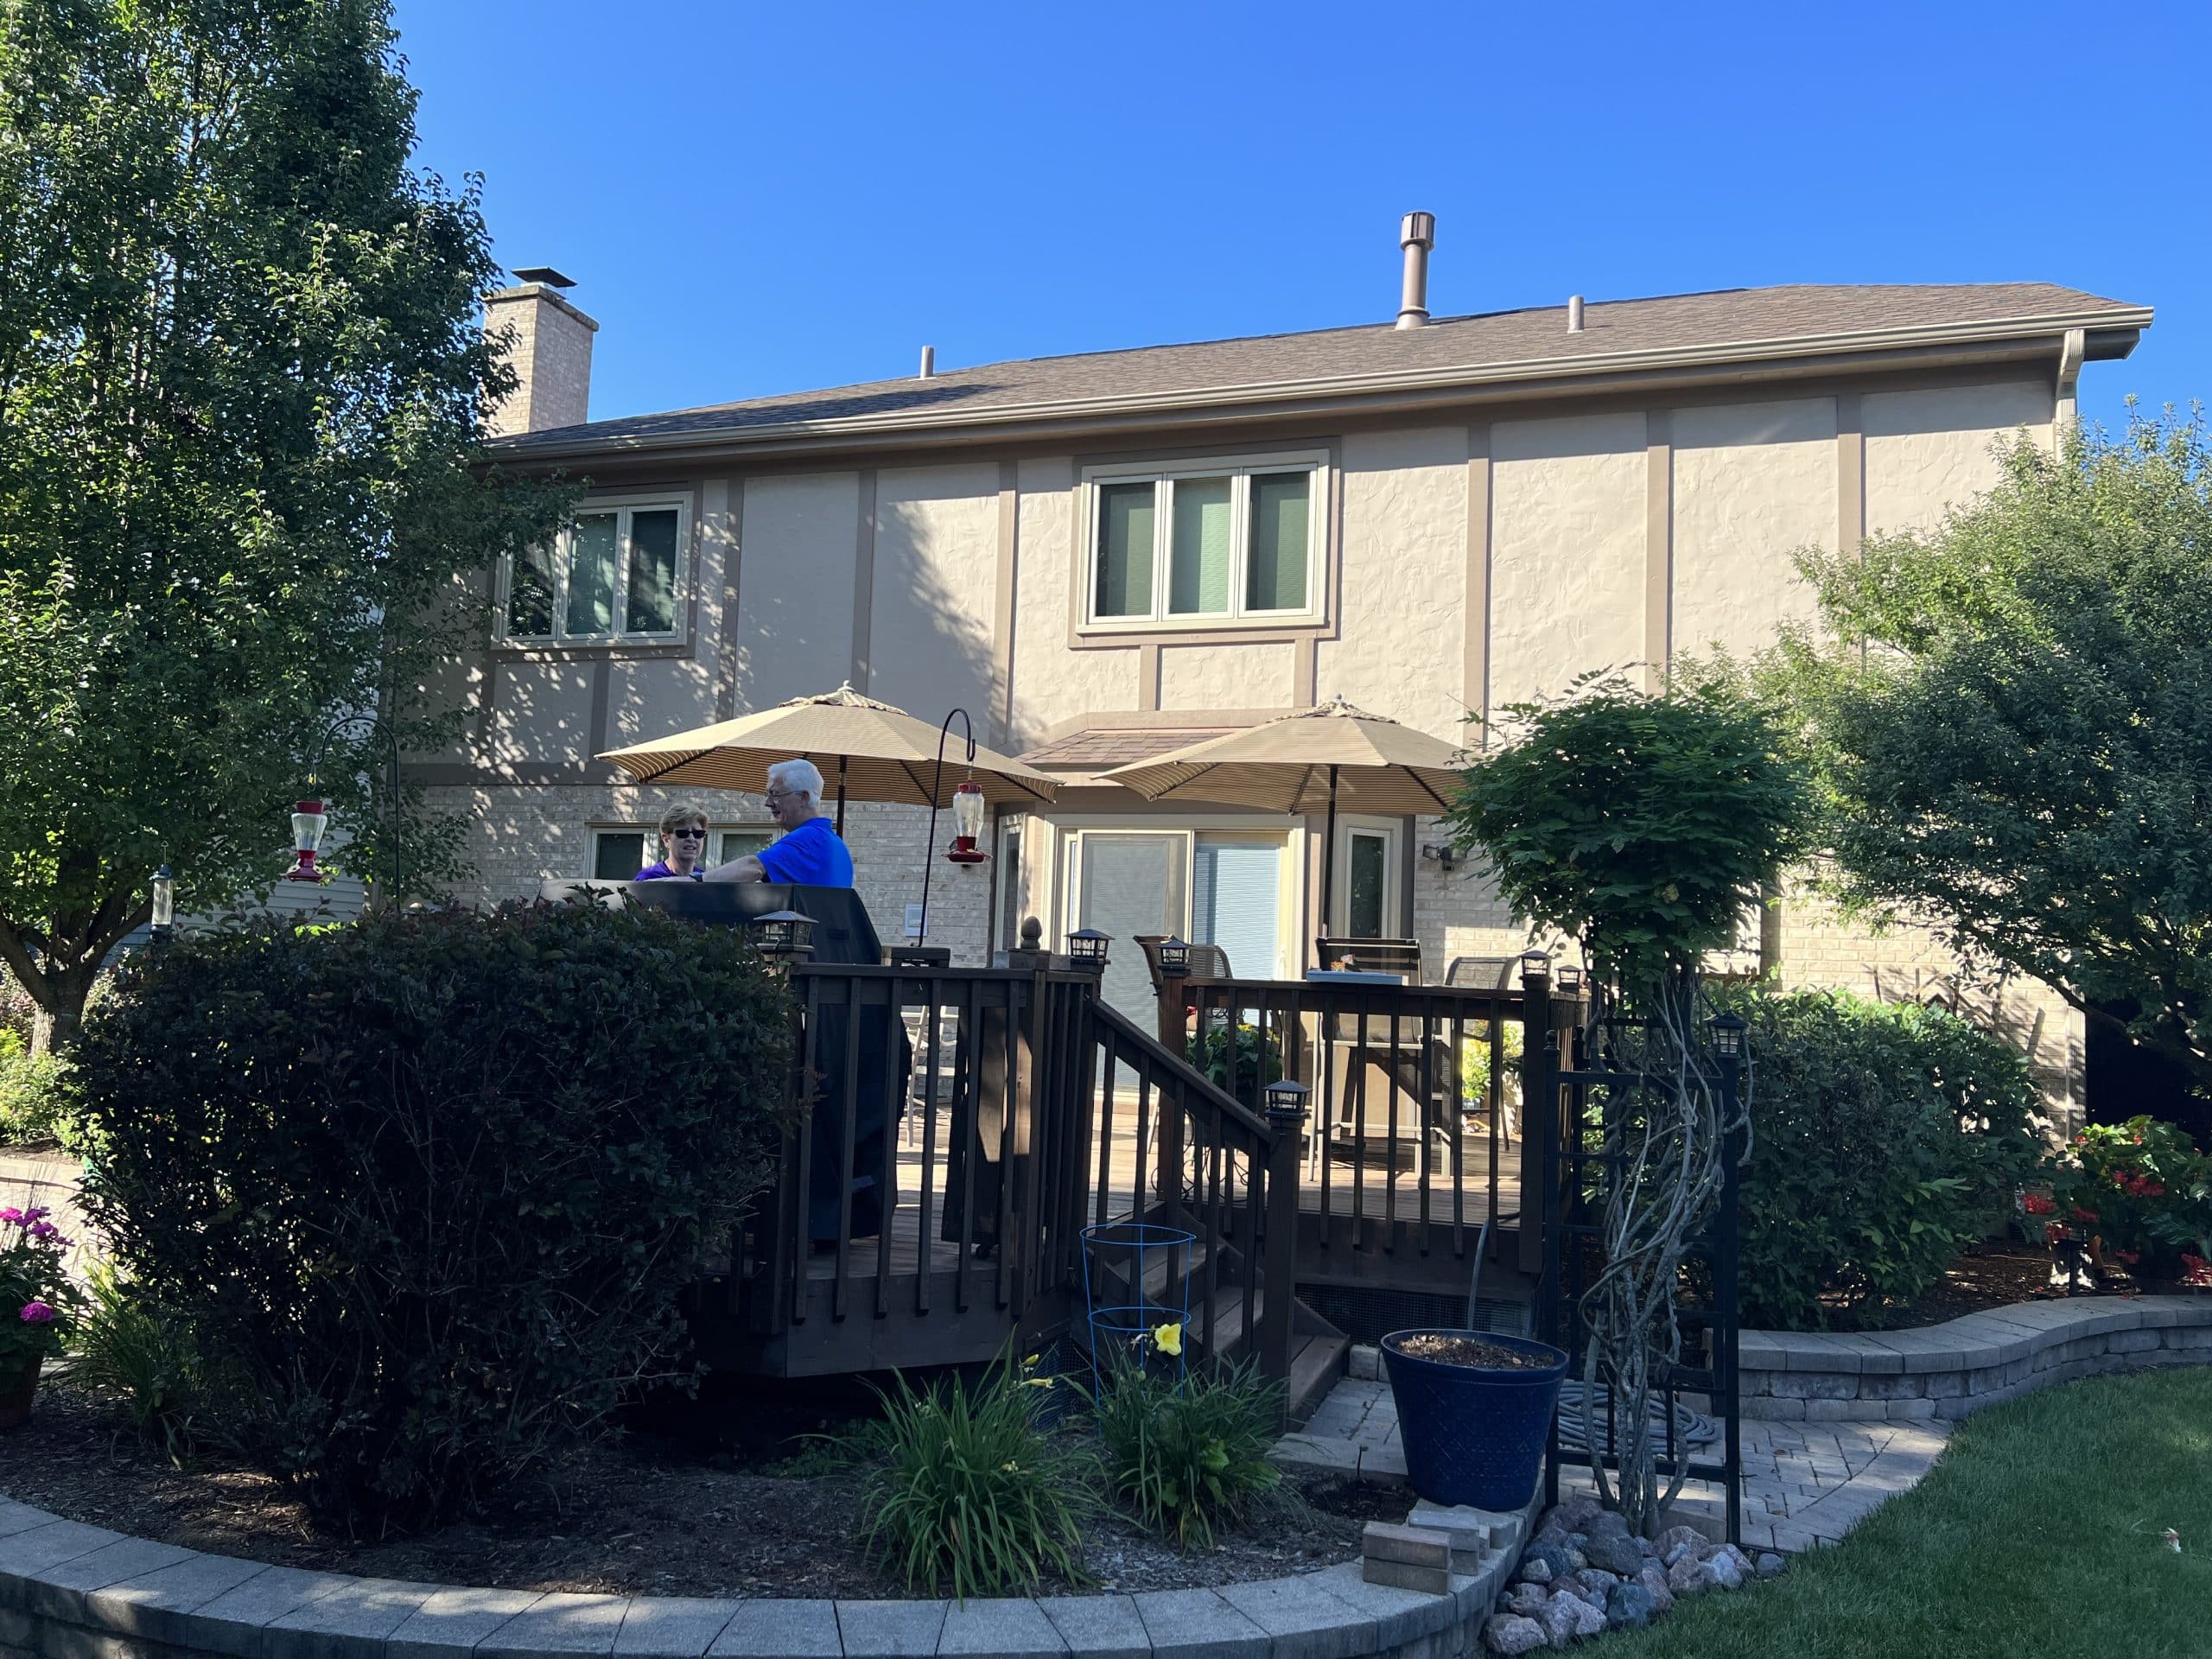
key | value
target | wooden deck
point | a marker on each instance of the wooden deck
(1368, 1193)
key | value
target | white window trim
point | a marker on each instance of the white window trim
(623, 507)
(652, 834)
(1389, 833)
(1066, 835)
(1240, 467)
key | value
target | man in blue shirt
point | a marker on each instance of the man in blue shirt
(808, 853)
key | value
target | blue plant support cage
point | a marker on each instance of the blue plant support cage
(1136, 1277)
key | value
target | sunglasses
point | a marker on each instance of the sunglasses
(687, 835)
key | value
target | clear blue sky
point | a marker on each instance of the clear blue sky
(758, 198)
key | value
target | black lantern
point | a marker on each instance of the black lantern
(1570, 979)
(1285, 1101)
(785, 933)
(1535, 964)
(1087, 948)
(1728, 1030)
(164, 889)
(1174, 955)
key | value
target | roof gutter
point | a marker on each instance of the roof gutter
(2105, 334)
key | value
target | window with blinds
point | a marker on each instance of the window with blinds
(616, 573)
(1206, 544)
(1237, 902)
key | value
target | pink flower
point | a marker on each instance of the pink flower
(37, 1312)
(12, 1214)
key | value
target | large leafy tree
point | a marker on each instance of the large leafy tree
(2012, 714)
(242, 381)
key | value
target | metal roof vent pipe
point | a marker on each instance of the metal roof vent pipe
(1574, 313)
(929, 363)
(1416, 235)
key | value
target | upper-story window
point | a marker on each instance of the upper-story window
(1206, 543)
(616, 573)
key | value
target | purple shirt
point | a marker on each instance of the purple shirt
(660, 871)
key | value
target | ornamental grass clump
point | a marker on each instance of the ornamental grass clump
(425, 1190)
(965, 1490)
(1188, 1454)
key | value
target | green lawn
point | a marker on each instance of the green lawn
(2037, 1536)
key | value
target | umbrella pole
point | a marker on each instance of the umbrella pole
(841, 797)
(1328, 862)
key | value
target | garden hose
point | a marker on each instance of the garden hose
(1691, 1427)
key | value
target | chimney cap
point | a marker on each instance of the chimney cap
(544, 274)
(1417, 229)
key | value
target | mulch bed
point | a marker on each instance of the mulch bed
(663, 1509)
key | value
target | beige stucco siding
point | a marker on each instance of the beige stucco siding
(1567, 514)
(1052, 684)
(937, 532)
(1929, 449)
(1404, 579)
(542, 713)
(1246, 677)
(794, 634)
(1753, 483)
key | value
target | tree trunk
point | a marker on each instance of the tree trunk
(55, 1027)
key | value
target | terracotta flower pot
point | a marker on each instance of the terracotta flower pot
(16, 1393)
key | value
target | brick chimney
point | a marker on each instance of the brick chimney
(549, 353)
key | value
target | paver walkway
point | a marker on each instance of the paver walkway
(1804, 1484)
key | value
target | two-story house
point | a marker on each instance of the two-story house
(1104, 557)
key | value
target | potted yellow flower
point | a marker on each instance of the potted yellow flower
(35, 1297)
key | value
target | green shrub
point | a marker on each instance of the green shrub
(1238, 1058)
(1185, 1455)
(34, 1094)
(965, 1488)
(144, 1358)
(429, 1186)
(2140, 1189)
(1885, 1137)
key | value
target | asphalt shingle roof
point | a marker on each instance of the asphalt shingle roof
(1762, 322)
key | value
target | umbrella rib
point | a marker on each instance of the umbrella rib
(662, 772)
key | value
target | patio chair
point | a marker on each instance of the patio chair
(1207, 961)
(1488, 974)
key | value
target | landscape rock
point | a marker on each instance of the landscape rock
(1510, 1633)
(1552, 1556)
(1525, 1601)
(1678, 1553)
(1616, 1554)
(1576, 1561)
(1572, 1513)
(1724, 1570)
(1564, 1617)
(1653, 1580)
(1648, 1546)
(1675, 1535)
(1607, 1523)
(1629, 1607)
(1575, 1587)
(1770, 1566)
(1742, 1560)
(1688, 1576)
(1534, 1569)
(1596, 1578)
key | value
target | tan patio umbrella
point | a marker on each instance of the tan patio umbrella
(1309, 762)
(875, 753)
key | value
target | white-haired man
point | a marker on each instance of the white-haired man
(809, 852)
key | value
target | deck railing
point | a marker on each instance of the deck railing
(1414, 1092)
(964, 1126)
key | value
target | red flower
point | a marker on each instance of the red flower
(2196, 1270)
(2130, 1257)
(2037, 1204)
(2086, 1215)
(2055, 1232)
(2153, 1189)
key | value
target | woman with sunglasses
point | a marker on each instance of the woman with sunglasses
(683, 846)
